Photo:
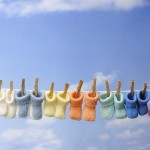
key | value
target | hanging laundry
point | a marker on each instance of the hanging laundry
(49, 104)
(131, 105)
(107, 105)
(76, 105)
(22, 101)
(61, 104)
(89, 113)
(119, 106)
(36, 105)
(142, 100)
(149, 112)
(3, 106)
(11, 104)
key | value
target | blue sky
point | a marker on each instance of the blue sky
(65, 41)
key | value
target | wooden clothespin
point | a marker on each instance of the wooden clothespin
(36, 86)
(51, 89)
(132, 88)
(11, 86)
(23, 86)
(1, 84)
(118, 88)
(79, 88)
(144, 89)
(66, 89)
(107, 88)
(94, 88)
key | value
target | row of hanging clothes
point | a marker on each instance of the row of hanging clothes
(23, 103)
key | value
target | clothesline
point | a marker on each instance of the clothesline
(16, 102)
(123, 91)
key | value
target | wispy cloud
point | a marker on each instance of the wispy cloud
(140, 147)
(27, 7)
(144, 120)
(144, 147)
(129, 134)
(100, 81)
(132, 142)
(36, 135)
(31, 138)
(104, 137)
(92, 148)
(45, 121)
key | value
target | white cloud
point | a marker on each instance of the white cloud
(32, 138)
(44, 6)
(104, 137)
(128, 134)
(11, 134)
(45, 121)
(144, 147)
(100, 81)
(132, 142)
(37, 135)
(130, 123)
(132, 148)
(140, 147)
(92, 148)
(39, 148)
(129, 4)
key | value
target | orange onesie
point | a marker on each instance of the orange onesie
(76, 106)
(89, 112)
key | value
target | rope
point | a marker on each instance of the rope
(124, 91)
